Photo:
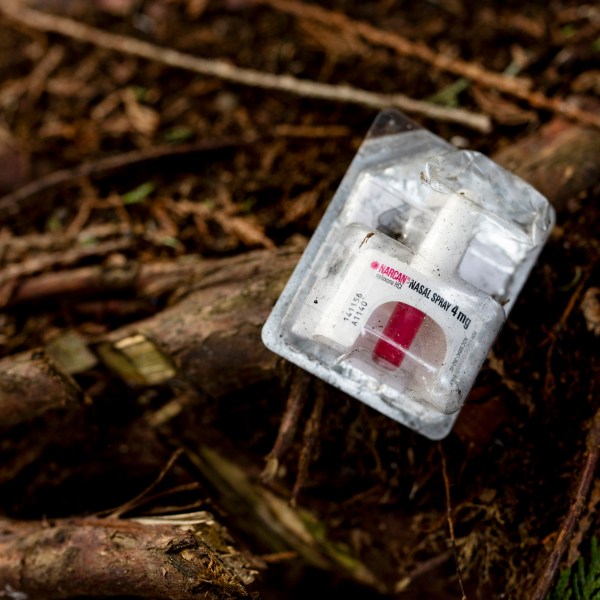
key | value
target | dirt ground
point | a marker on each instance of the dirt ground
(255, 171)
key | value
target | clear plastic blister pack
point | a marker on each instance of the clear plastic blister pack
(410, 275)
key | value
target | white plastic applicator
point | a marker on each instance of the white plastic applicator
(442, 250)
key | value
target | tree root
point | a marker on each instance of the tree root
(109, 557)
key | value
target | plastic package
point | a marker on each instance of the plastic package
(410, 275)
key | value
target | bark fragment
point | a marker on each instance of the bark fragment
(560, 160)
(31, 384)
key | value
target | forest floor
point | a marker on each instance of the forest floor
(205, 167)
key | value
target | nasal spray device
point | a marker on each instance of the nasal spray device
(410, 275)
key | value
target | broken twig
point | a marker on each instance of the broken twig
(309, 441)
(289, 422)
(518, 87)
(451, 523)
(401, 45)
(142, 496)
(40, 21)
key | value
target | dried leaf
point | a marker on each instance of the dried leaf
(300, 206)
(590, 306)
(143, 119)
(246, 230)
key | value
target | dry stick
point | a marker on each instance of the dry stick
(12, 203)
(16, 248)
(167, 510)
(583, 526)
(514, 86)
(161, 277)
(422, 569)
(148, 280)
(289, 422)
(41, 72)
(309, 440)
(223, 70)
(552, 339)
(142, 496)
(401, 45)
(566, 530)
(451, 523)
(39, 263)
(113, 557)
(10, 275)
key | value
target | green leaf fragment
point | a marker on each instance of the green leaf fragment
(582, 580)
(178, 134)
(170, 241)
(139, 194)
(448, 96)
